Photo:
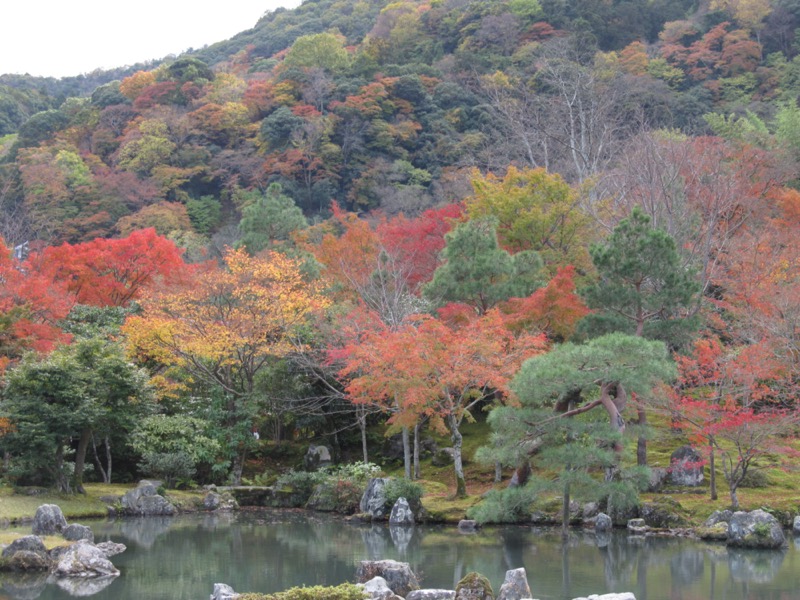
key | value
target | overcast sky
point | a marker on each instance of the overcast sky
(59, 38)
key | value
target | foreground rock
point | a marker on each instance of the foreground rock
(398, 576)
(145, 501)
(49, 520)
(76, 532)
(83, 559)
(25, 554)
(401, 513)
(756, 529)
(223, 591)
(515, 586)
(378, 589)
(474, 586)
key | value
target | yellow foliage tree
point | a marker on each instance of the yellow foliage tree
(225, 326)
(536, 210)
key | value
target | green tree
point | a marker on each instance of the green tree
(204, 213)
(69, 394)
(323, 50)
(568, 382)
(643, 289)
(269, 220)
(478, 272)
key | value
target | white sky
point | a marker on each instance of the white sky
(60, 38)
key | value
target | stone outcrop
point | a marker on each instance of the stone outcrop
(27, 553)
(222, 591)
(76, 532)
(317, 457)
(83, 559)
(144, 500)
(515, 586)
(686, 467)
(378, 589)
(755, 529)
(401, 513)
(474, 586)
(373, 502)
(398, 576)
(603, 523)
(49, 520)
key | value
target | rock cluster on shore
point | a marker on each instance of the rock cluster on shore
(392, 580)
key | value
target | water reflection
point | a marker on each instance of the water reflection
(182, 557)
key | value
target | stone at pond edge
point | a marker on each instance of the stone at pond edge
(717, 532)
(76, 532)
(662, 514)
(374, 499)
(474, 586)
(755, 529)
(637, 526)
(144, 500)
(84, 560)
(401, 513)
(467, 526)
(515, 586)
(796, 526)
(399, 576)
(602, 523)
(686, 467)
(49, 520)
(25, 554)
(222, 591)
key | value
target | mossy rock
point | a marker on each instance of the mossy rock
(663, 513)
(474, 586)
(717, 532)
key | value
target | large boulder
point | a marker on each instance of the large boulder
(317, 457)
(603, 523)
(664, 513)
(686, 467)
(49, 520)
(399, 576)
(144, 500)
(755, 529)
(83, 559)
(378, 589)
(75, 532)
(515, 586)
(474, 586)
(401, 513)
(373, 502)
(27, 553)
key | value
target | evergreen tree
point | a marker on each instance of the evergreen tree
(269, 220)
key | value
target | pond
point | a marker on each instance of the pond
(266, 551)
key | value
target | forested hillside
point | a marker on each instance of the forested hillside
(453, 200)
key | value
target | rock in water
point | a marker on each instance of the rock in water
(515, 586)
(399, 576)
(49, 520)
(373, 502)
(401, 513)
(474, 586)
(602, 523)
(755, 529)
(84, 560)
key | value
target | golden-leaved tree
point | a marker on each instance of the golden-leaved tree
(226, 326)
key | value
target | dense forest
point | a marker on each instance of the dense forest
(362, 210)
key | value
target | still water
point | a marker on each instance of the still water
(182, 557)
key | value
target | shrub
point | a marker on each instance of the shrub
(511, 505)
(755, 479)
(346, 591)
(403, 488)
(172, 467)
(300, 482)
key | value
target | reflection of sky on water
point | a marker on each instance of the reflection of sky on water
(182, 557)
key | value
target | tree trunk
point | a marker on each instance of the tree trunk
(713, 475)
(641, 445)
(407, 453)
(498, 472)
(80, 461)
(361, 416)
(416, 450)
(104, 471)
(614, 406)
(734, 498)
(458, 466)
(59, 477)
(238, 467)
